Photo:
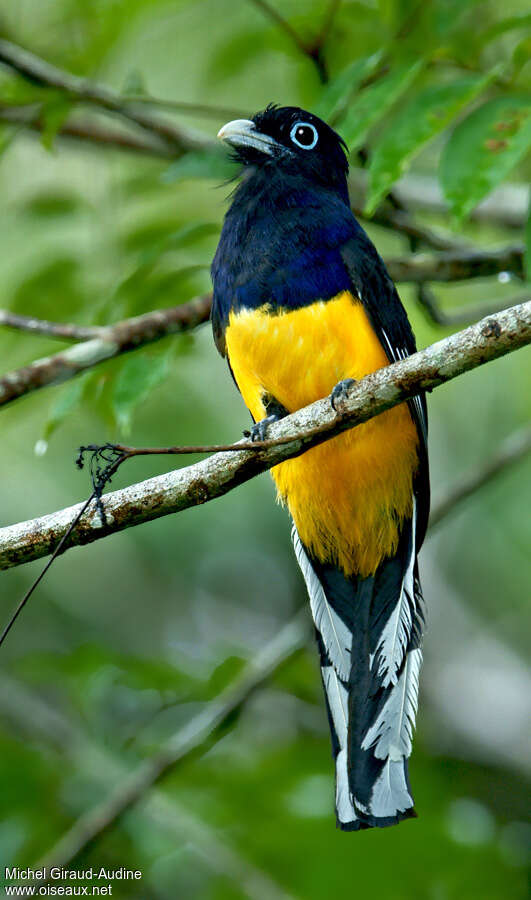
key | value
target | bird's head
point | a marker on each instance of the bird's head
(290, 139)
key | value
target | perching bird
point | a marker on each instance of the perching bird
(302, 304)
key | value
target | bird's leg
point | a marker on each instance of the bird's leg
(275, 411)
(340, 393)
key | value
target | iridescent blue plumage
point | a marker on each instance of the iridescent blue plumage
(282, 246)
(290, 240)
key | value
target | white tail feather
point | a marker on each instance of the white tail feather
(344, 806)
(334, 633)
(338, 702)
(392, 732)
(395, 636)
(390, 739)
(390, 794)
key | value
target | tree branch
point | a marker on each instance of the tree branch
(487, 340)
(463, 314)
(312, 49)
(271, 13)
(457, 265)
(113, 341)
(40, 72)
(85, 130)
(399, 221)
(506, 206)
(133, 333)
(328, 22)
(60, 330)
(513, 449)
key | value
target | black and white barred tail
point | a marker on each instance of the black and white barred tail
(369, 636)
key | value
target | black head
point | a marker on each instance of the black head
(292, 139)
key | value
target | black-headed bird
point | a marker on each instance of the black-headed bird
(303, 304)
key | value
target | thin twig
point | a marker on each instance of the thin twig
(188, 107)
(313, 50)
(461, 265)
(113, 341)
(61, 330)
(85, 129)
(487, 340)
(513, 449)
(63, 543)
(463, 314)
(271, 13)
(328, 22)
(59, 549)
(316, 50)
(403, 223)
(38, 71)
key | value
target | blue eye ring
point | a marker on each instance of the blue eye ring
(301, 128)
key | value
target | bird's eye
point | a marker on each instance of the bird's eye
(304, 135)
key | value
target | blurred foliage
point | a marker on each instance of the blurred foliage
(129, 637)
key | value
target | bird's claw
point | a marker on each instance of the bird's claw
(340, 392)
(259, 429)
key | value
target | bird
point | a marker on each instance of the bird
(303, 306)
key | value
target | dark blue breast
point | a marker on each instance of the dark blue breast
(281, 245)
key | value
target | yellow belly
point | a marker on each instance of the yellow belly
(348, 496)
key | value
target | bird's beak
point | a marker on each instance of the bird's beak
(243, 133)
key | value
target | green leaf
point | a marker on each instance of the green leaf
(504, 25)
(336, 95)
(134, 84)
(483, 149)
(224, 675)
(374, 102)
(69, 397)
(54, 113)
(211, 164)
(521, 56)
(425, 116)
(52, 203)
(137, 377)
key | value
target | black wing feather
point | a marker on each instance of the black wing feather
(372, 284)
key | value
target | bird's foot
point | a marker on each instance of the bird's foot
(259, 430)
(275, 411)
(340, 393)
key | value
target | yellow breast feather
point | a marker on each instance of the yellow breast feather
(348, 496)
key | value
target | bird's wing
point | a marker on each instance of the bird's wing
(372, 284)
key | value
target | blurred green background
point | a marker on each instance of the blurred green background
(128, 637)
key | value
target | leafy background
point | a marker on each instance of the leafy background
(129, 637)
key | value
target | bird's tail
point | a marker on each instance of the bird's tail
(369, 635)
